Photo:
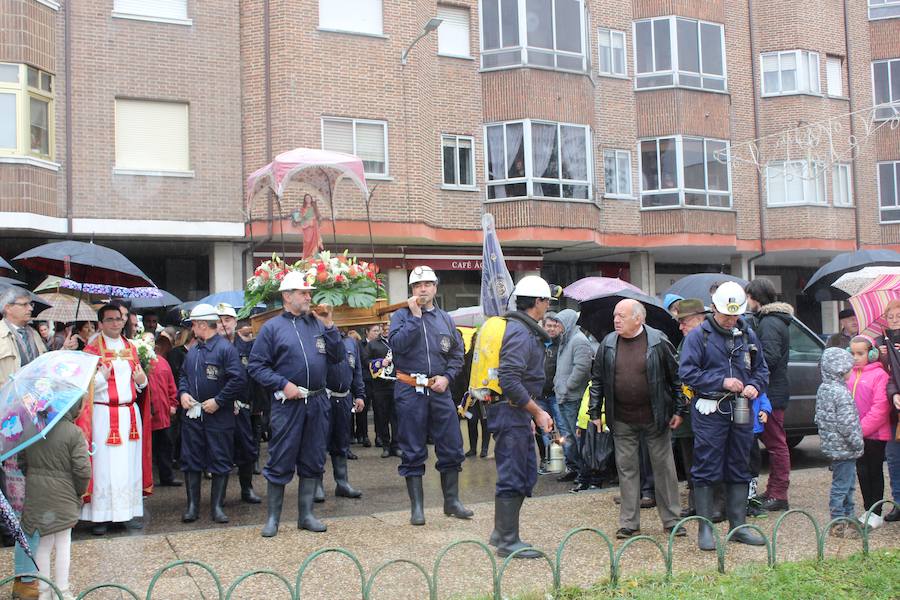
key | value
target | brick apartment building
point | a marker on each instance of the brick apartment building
(605, 136)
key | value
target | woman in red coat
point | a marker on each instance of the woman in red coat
(163, 404)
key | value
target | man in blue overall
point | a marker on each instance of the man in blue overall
(722, 361)
(521, 376)
(346, 390)
(246, 452)
(212, 380)
(290, 358)
(428, 354)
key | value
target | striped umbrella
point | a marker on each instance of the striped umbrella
(870, 303)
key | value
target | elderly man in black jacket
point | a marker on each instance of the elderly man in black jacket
(772, 321)
(635, 375)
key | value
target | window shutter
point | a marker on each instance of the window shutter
(453, 33)
(337, 136)
(361, 16)
(834, 76)
(152, 136)
(164, 9)
(370, 146)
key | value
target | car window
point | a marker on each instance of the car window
(804, 346)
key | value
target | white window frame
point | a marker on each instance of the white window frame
(600, 48)
(618, 154)
(883, 9)
(149, 16)
(839, 171)
(679, 188)
(896, 205)
(813, 194)
(468, 50)
(458, 186)
(799, 57)
(23, 93)
(673, 55)
(885, 110)
(386, 176)
(831, 59)
(529, 179)
(378, 34)
(523, 48)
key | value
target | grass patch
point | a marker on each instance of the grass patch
(872, 577)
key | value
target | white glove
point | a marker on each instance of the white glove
(194, 411)
(707, 407)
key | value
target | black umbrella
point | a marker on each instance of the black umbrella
(819, 285)
(6, 265)
(11, 281)
(698, 285)
(597, 314)
(85, 263)
(166, 299)
(39, 303)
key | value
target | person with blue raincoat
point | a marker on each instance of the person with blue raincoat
(290, 358)
(428, 355)
(521, 377)
(212, 380)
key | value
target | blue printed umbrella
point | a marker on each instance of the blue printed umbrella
(39, 394)
(11, 523)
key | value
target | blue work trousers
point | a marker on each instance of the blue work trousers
(721, 448)
(419, 415)
(514, 450)
(298, 442)
(206, 447)
(245, 448)
(339, 426)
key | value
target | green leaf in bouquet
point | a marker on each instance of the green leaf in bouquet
(361, 297)
(330, 296)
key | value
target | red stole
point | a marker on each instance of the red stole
(85, 420)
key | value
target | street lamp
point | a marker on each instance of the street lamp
(432, 24)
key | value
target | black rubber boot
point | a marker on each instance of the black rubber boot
(485, 441)
(274, 502)
(245, 476)
(452, 506)
(342, 486)
(703, 503)
(416, 500)
(718, 512)
(506, 528)
(305, 518)
(319, 495)
(217, 498)
(736, 508)
(192, 488)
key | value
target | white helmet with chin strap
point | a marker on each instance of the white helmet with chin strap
(422, 273)
(730, 299)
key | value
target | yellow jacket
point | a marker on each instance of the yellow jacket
(583, 418)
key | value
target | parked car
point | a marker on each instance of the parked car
(804, 375)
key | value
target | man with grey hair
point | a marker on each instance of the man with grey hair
(635, 376)
(19, 345)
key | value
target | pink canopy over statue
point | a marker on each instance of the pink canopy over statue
(319, 169)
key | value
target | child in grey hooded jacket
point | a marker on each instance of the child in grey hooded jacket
(840, 432)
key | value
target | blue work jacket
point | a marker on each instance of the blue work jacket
(347, 374)
(212, 369)
(296, 349)
(708, 357)
(429, 345)
(521, 370)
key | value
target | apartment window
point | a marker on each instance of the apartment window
(152, 137)
(165, 10)
(791, 72)
(617, 173)
(889, 191)
(538, 159)
(685, 171)
(682, 52)
(841, 185)
(26, 111)
(453, 34)
(351, 16)
(795, 182)
(458, 162)
(884, 9)
(362, 138)
(886, 81)
(612, 53)
(550, 34)
(834, 75)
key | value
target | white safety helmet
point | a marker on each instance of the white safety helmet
(532, 286)
(204, 312)
(730, 299)
(295, 280)
(422, 273)
(225, 310)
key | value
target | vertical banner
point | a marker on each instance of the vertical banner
(496, 282)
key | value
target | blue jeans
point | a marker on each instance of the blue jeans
(568, 412)
(843, 477)
(892, 454)
(22, 562)
(549, 406)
